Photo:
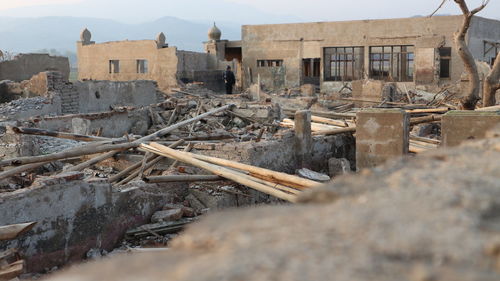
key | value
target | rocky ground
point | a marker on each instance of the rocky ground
(433, 217)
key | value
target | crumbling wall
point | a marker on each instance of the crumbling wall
(279, 155)
(112, 123)
(74, 216)
(99, 96)
(24, 66)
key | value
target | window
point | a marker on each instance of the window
(142, 66)
(114, 66)
(311, 67)
(343, 63)
(491, 50)
(392, 63)
(269, 63)
(444, 62)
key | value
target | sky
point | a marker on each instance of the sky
(236, 11)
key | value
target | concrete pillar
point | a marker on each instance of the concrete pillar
(459, 126)
(303, 139)
(381, 134)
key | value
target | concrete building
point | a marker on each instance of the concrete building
(417, 51)
(147, 60)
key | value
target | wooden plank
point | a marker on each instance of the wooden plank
(12, 270)
(10, 232)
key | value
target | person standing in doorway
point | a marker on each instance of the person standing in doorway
(230, 80)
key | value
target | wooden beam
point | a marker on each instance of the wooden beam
(10, 232)
(55, 134)
(182, 178)
(283, 178)
(218, 170)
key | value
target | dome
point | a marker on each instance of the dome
(161, 39)
(214, 33)
(85, 36)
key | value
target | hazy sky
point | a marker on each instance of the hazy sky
(238, 11)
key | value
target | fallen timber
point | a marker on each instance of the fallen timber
(33, 162)
(217, 170)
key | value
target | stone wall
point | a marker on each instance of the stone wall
(74, 216)
(113, 123)
(279, 155)
(99, 96)
(24, 66)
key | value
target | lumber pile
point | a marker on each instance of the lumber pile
(279, 185)
(11, 265)
(108, 147)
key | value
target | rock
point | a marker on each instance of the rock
(167, 215)
(186, 211)
(140, 128)
(238, 122)
(312, 175)
(338, 167)
(195, 203)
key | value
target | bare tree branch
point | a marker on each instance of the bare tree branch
(472, 97)
(440, 6)
(491, 84)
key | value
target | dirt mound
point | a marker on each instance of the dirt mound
(435, 217)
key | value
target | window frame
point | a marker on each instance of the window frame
(383, 65)
(338, 60)
(270, 63)
(444, 58)
(114, 66)
(142, 66)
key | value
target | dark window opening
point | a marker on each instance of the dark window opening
(142, 66)
(311, 68)
(343, 63)
(269, 63)
(444, 62)
(392, 63)
(114, 66)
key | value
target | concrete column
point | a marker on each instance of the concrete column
(303, 139)
(381, 134)
(459, 126)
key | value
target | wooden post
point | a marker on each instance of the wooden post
(303, 139)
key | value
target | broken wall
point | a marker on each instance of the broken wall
(74, 216)
(99, 96)
(24, 66)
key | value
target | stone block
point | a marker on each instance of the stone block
(381, 134)
(167, 215)
(338, 167)
(459, 126)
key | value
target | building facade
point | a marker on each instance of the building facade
(417, 51)
(147, 60)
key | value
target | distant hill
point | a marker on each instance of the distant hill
(61, 33)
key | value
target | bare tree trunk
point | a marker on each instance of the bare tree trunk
(492, 84)
(470, 100)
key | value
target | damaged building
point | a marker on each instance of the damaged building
(144, 144)
(149, 60)
(417, 51)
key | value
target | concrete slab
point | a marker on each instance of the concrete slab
(381, 134)
(459, 126)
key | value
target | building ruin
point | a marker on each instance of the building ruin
(145, 143)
